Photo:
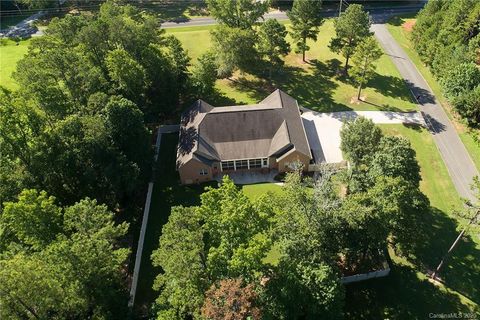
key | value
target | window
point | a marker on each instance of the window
(203, 172)
(255, 163)
(228, 165)
(265, 162)
(241, 164)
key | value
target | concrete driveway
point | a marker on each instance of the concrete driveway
(323, 129)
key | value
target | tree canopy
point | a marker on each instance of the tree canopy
(306, 18)
(67, 254)
(351, 28)
(364, 59)
(447, 37)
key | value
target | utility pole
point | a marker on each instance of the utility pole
(473, 220)
(340, 6)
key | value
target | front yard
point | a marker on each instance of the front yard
(316, 84)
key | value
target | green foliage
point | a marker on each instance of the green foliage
(70, 129)
(460, 79)
(468, 105)
(304, 291)
(364, 58)
(242, 14)
(204, 74)
(66, 254)
(306, 18)
(446, 36)
(272, 43)
(182, 256)
(351, 28)
(359, 140)
(234, 49)
(395, 158)
(222, 238)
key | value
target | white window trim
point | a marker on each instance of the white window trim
(248, 163)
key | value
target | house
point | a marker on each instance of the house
(261, 137)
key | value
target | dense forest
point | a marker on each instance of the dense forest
(77, 129)
(447, 37)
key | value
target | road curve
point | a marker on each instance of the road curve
(459, 164)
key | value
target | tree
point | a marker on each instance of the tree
(359, 140)
(467, 105)
(204, 74)
(224, 237)
(351, 28)
(396, 158)
(306, 18)
(242, 14)
(69, 255)
(304, 290)
(446, 37)
(272, 42)
(234, 49)
(461, 79)
(231, 299)
(364, 59)
(182, 256)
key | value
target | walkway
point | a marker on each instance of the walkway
(459, 164)
(323, 129)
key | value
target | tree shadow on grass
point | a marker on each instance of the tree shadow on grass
(391, 87)
(400, 295)
(437, 232)
(313, 89)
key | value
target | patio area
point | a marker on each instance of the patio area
(248, 177)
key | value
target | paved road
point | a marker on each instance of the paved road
(459, 164)
(323, 129)
(281, 15)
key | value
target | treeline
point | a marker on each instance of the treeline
(281, 256)
(447, 37)
(77, 129)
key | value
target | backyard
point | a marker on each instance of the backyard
(167, 192)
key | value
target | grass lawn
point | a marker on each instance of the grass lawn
(406, 293)
(316, 84)
(10, 53)
(254, 190)
(402, 36)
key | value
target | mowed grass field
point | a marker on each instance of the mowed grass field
(317, 84)
(10, 53)
(402, 36)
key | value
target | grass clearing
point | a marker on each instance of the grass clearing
(10, 53)
(402, 36)
(255, 190)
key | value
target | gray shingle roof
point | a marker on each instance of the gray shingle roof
(268, 128)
